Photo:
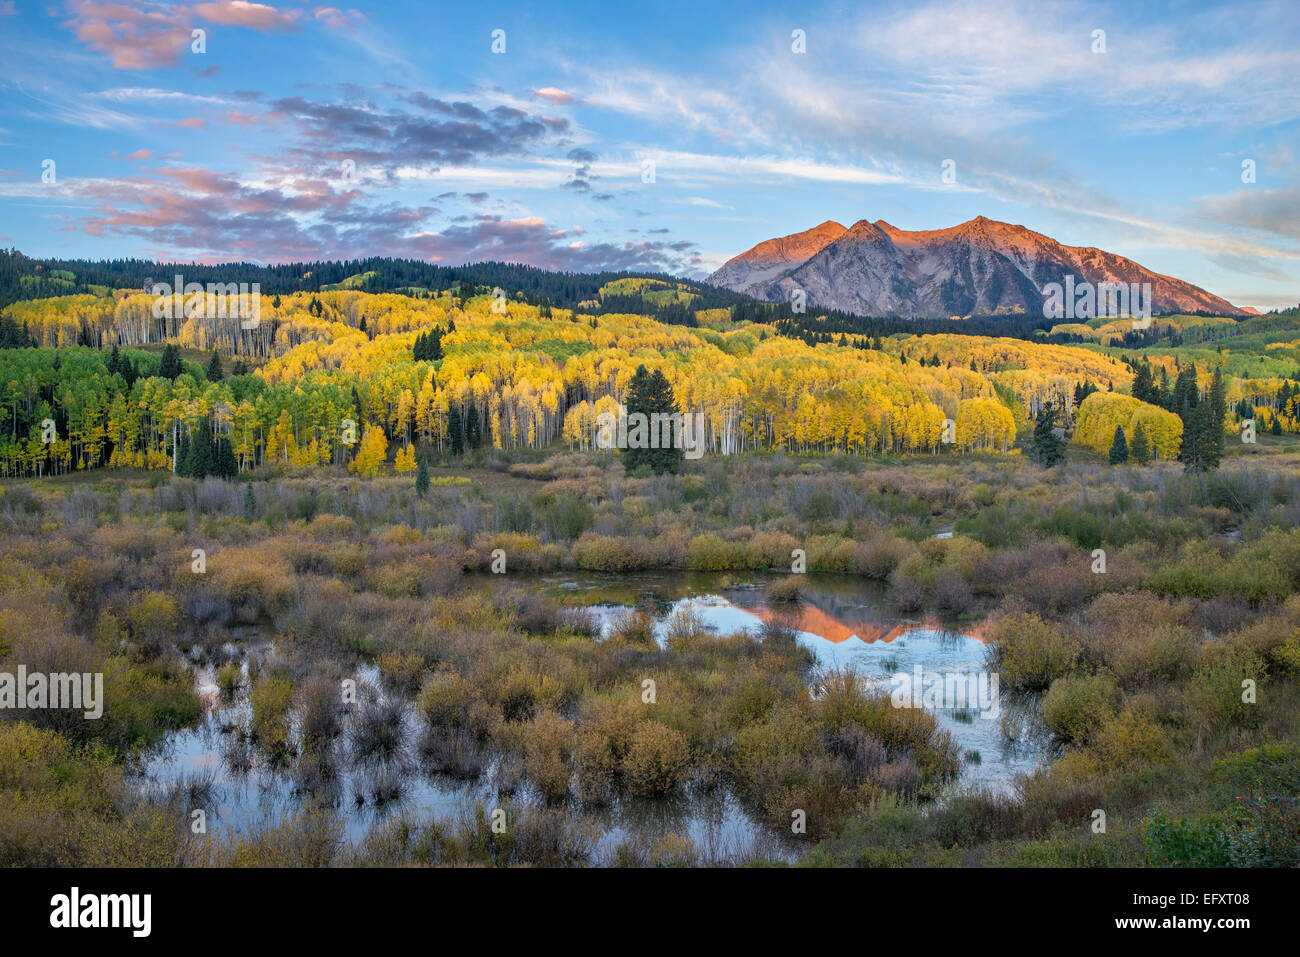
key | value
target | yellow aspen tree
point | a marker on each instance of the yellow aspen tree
(371, 453)
(405, 460)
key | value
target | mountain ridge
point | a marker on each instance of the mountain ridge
(979, 267)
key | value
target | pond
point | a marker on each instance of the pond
(846, 622)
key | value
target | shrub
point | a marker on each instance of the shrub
(141, 702)
(1128, 740)
(229, 677)
(154, 616)
(685, 628)
(775, 750)
(951, 593)
(1074, 707)
(396, 580)
(601, 553)
(271, 698)
(604, 740)
(1287, 654)
(401, 671)
(785, 589)
(547, 746)
(709, 553)
(657, 760)
(672, 850)
(878, 557)
(1185, 843)
(633, 628)
(1269, 769)
(976, 818)
(518, 696)
(320, 710)
(379, 732)
(456, 754)
(770, 550)
(1217, 690)
(446, 700)
(1149, 652)
(1032, 653)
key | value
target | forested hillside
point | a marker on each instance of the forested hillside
(437, 373)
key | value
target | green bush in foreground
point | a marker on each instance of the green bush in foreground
(1075, 707)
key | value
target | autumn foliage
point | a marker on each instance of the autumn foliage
(1101, 412)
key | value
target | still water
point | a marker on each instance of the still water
(845, 622)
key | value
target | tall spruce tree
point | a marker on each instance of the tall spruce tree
(170, 365)
(421, 477)
(1185, 395)
(224, 464)
(201, 457)
(1216, 411)
(1197, 415)
(214, 372)
(1046, 448)
(181, 457)
(1192, 451)
(650, 393)
(455, 433)
(473, 427)
(1144, 387)
(1139, 450)
(1119, 448)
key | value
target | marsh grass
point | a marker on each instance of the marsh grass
(1138, 670)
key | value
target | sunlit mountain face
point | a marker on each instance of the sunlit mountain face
(978, 267)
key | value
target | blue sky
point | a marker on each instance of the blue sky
(305, 131)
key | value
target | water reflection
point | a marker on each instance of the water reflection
(846, 622)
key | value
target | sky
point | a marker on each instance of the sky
(663, 136)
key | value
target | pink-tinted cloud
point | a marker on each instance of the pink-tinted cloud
(141, 35)
(196, 214)
(136, 36)
(255, 16)
(555, 95)
(337, 19)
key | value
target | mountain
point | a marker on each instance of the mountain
(771, 259)
(980, 267)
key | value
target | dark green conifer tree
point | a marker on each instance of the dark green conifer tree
(1046, 448)
(455, 434)
(1119, 448)
(170, 365)
(1139, 450)
(651, 393)
(421, 477)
